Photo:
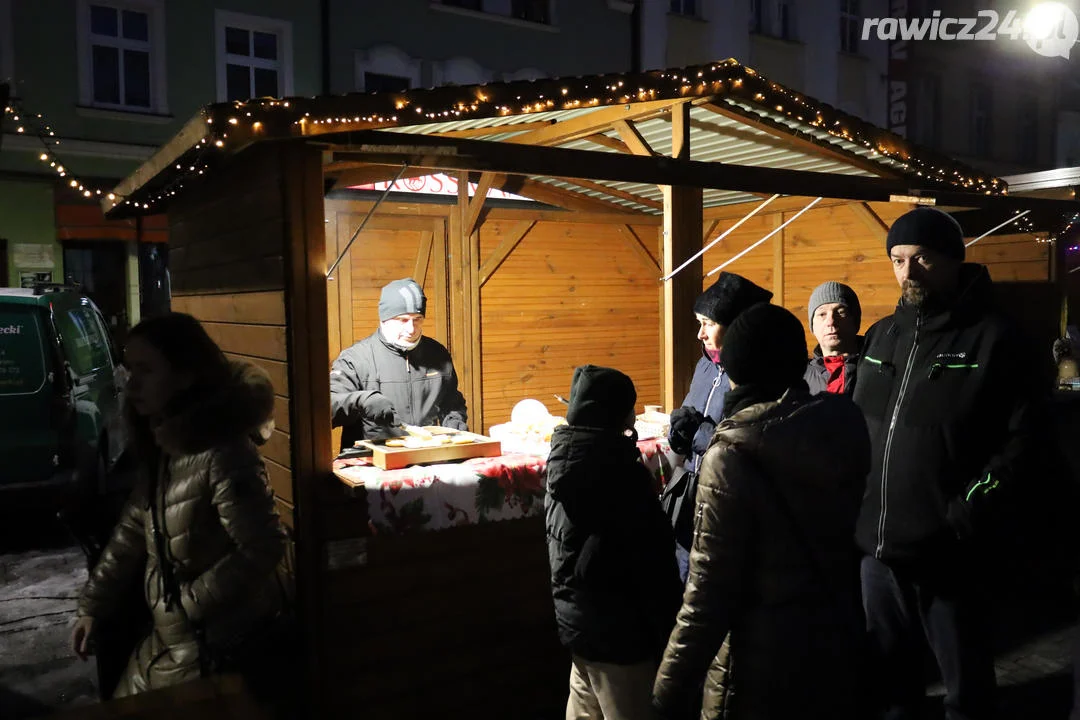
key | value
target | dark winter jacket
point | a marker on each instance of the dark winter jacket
(771, 609)
(707, 389)
(222, 538)
(421, 384)
(951, 400)
(613, 576)
(817, 377)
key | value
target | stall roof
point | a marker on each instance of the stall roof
(737, 119)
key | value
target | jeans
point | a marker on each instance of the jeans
(941, 605)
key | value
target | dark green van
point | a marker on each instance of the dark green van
(60, 425)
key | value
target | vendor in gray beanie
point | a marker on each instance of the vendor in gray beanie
(835, 317)
(692, 424)
(396, 375)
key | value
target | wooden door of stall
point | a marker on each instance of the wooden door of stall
(388, 248)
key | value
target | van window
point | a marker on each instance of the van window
(85, 344)
(22, 352)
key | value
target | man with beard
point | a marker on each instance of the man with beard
(948, 389)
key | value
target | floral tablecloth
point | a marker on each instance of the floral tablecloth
(479, 490)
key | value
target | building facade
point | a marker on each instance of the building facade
(811, 45)
(98, 85)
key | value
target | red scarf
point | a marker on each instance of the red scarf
(834, 365)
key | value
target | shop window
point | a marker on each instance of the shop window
(254, 57)
(121, 49)
(775, 18)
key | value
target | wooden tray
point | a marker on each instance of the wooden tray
(392, 458)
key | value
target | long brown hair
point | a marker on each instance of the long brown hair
(186, 346)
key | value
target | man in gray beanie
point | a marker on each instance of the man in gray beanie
(835, 317)
(951, 396)
(395, 375)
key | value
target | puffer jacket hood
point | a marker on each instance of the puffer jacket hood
(242, 408)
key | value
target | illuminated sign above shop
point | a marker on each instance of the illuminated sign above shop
(437, 184)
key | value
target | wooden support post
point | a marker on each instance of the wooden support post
(464, 306)
(778, 260)
(309, 392)
(682, 238)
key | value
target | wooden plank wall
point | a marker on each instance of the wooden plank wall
(845, 243)
(226, 240)
(569, 294)
(559, 290)
(452, 623)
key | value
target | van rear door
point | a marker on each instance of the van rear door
(29, 444)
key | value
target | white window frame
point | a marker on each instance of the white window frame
(155, 11)
(254, 23)
(7, 44)
(386, 60)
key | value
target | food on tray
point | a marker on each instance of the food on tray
(415, 440)
(461, 439)
(395, 442)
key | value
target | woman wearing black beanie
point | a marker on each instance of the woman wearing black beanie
(771, 620)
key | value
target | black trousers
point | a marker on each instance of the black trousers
(939, 604)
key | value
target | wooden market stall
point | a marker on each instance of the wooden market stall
(616, 181)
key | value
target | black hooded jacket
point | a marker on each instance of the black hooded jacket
(614, 580)
(949, 399)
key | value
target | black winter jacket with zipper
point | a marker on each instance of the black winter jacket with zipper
(949, 400)
(421, 384)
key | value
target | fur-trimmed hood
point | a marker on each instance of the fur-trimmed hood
(242, 408)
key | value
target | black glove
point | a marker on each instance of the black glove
(959, 516)
(685, 422)
(378, 409)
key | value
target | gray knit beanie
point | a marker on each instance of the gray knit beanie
(834, 292)
(401, 297)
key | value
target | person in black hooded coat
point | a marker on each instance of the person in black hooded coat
(614, 579)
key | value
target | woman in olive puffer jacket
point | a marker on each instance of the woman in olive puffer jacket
(200, 527)
(771, 625)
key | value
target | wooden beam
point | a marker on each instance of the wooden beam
(608, 142)
(472, 214)
(464, 305)
(594, 122)
(632, 138)
(681, 239)
(560, 197)
(639, 248)
(423, 258)
(309, 393)
(778, 260)
(877, 226)
(777, 206)
(383, 147)
(193, 131)
(496, 130)
(499, 255)
(708, 233)
(801, 143)
(615, 192)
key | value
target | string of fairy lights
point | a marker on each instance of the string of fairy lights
(740, 89)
